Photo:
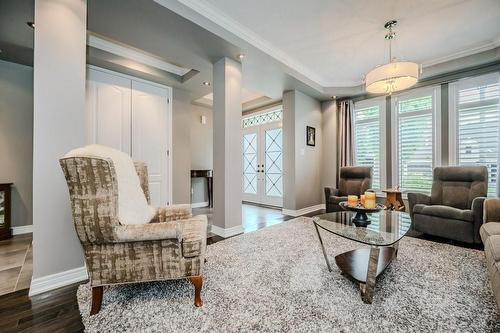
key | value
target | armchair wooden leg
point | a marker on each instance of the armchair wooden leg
(197, 281)
(96, 300)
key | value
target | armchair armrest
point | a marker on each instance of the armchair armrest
(147, 232)
(477, 211)
(417, 198)
(172, 213)
(194, 236)
(491, 212)
(331, 191)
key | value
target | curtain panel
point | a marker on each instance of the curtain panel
(345, 135)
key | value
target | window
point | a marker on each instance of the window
(369, 138)
(262, 118)
(415, 138)
(474, 125)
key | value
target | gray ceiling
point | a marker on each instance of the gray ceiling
(16, 37)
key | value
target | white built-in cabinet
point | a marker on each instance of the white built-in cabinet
(134, 116)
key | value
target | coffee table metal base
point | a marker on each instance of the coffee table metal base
(363, 265)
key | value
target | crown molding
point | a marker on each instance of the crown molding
(232, 26)
(214, 20)
(464, 53)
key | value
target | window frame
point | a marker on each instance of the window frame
(435, 91)
(381, 103)
(453, 87)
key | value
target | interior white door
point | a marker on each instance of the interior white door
(150, 136)
(108, 103)
(271, 164)
(263, 164)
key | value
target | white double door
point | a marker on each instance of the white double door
(132, 116)
(263, 164)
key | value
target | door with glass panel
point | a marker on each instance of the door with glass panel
(263, 164)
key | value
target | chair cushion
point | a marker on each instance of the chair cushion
(444, 212)
(489, 229)
(133, 207)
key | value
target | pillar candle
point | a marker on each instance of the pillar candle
(352, 200)
(370, 200)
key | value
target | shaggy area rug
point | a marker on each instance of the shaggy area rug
(276, 280)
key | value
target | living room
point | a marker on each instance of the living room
(177, 165)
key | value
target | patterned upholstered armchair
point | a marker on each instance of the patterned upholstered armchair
(171, 246)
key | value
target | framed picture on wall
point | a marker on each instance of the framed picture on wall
(310, 136)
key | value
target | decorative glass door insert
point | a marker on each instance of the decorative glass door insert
(263, 159)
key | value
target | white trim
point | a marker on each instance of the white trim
(303, 211)
(199, 204)
(24, 229)
(225, 233)
(463, 53)
(57, 280)
(135, 55)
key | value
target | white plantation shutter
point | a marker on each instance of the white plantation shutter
(368, 143)
(475, 105)
(415, 116)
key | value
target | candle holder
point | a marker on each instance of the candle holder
(361, 218)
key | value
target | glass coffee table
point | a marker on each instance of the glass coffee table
(382, 235)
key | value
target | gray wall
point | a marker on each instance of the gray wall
(201, 150)
(181, 147)
(16, 137)
(302, 165)
(329, 131)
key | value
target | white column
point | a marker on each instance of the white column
(59, 118)
(227, 148)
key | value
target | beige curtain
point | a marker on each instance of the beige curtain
(345, 151)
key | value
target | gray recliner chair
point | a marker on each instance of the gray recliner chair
(353, 180)
(454, 210)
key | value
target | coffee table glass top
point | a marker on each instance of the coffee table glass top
(386, 228)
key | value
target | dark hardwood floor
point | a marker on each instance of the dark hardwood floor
(57, 310)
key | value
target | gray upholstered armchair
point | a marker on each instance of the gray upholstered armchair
(454, 209)
(171, 246)
(353, 180)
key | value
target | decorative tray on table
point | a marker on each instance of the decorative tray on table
(361, 219)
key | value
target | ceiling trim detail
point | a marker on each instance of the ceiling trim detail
(227, 23)
(464, 53)
(136, 55)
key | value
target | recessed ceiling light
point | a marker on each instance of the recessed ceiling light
(206, 83)
(241, 56)
(31, 24)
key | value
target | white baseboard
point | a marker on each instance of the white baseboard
(226, 232)
(58, 280)
(302, 211)
(24, 229)
(199, 204)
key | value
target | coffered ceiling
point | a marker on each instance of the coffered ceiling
(335, 42)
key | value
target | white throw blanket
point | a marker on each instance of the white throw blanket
(133, 207)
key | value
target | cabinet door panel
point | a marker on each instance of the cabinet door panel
(150, 136)
(108, 110)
